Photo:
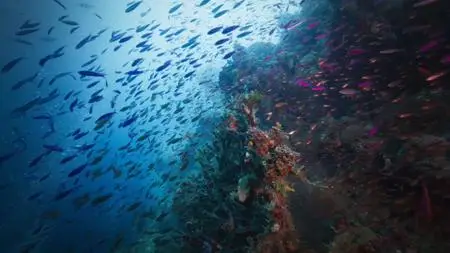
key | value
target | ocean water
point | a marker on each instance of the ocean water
(224, 126)
(30, 192)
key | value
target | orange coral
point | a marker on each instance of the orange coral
(262, 141)
(280, 162)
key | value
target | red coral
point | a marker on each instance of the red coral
(261, 141)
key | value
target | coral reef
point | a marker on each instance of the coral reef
(340, 129)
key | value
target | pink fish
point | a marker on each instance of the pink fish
(364, 85)
(424, 2)
(436, 76)
(446, 59)
(326, 66)
(302, 83)
(320, 88)
(429, 46)
(356, 51)
(373, 131)
(349, 92)
(313, 25)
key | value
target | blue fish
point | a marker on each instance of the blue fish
(77, 170)
(73, 104)
(116, 36)
(36, 160)
(220, 13)
(238, 4)
(132, 6)
(125, 39)
(26, 32)
(214, 30)
(85, 147)
(80, 135)
(67, 159)
(228, 55)
(56, 54)
(175, 8)
(95, 99)
(216, 9)
(128, 121)
(137, 62)
(221, 41)
(34, 196)
(44, 177)
(241, 35)
(229, 29)
(105, 117)
(68, 95)
(60, 4)
(134, 72)
(24, 81)
(163, 67)
(141, 28)
(55, 148)
(64, 193)
(84, 73)
(89, 62)
(10, 65)
(28, 25)
(204, 2)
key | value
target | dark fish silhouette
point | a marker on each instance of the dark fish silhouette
(36, 160)
(217, 8)
(54, 148)
(220, 13)
(63, 194)
(164, 66)
(22, 82)
(229, 29)
(238, 4)
(67, 159)
(84, 73)
(214, 30)
(60, 4)
(175, 8)
(77, 170)
(10, 65)
(56, 54)
(204, 2)
(241, 35)
(24, 42)
(67, 22)
(60, 75)
(221, 41)
(26, 32)
(132, 6)
(228, 55)
(21, 110)
(29, 25)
